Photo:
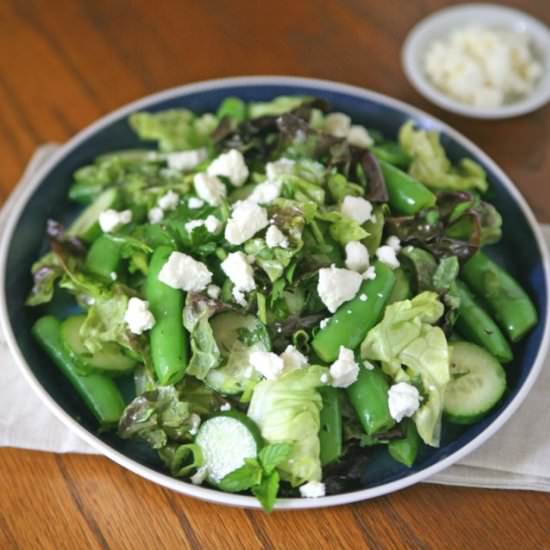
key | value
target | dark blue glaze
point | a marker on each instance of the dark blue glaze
(517, 251)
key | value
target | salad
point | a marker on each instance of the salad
(283, 290)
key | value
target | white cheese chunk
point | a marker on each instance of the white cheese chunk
(265, 193)
(357, 208)
(394, 243)
(267, 364)
(169, 201)
(186, 160)
(359, 136)
(184, 272)
(230, 165)
(282, 167)
(403, 400)
(275, 237)
(337, 286)
(155, 215)
(337, 124)
(293, 359)
(110, 220)
(370, 274)
(357, 256)
(312, 489)
(193, 224)
(209, 188)
(213, 291)
(138, 317)
(195, 203)
(247, 218)
(386, 254)
(344, 370)
(239, 271)
(213, 224)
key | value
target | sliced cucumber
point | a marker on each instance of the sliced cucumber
(225, 441)
(110, 358)
(477, 384)
(237, 336)
(86, 226)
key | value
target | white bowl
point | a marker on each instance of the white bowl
(439, 24)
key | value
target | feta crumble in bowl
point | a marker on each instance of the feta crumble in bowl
(480, 60)
(207, 288)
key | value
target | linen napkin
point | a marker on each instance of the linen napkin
(517, 457)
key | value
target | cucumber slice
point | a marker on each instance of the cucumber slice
(477, 384)
(86, 226)
(110, 358)
(237, 336)
(225, 441)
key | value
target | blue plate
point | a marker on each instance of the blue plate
(521, 251)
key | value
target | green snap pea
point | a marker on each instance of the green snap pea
(375, 228)
(98, 391)
(103, 258)
(401, 289)
(406, 195)
(330, 433)
(405, 450)
(506, 300)
(352, 320)
(476, 325)
(168, 338)
(392, 153)
(369, 398)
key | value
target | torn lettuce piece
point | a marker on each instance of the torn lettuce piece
(45, 272)
(342, 228)
(431, 166)
(287, 409)
(408, 346)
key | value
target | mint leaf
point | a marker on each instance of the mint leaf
(245, 477)
(273, 455)
(266, 491)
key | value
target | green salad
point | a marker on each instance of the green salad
(284, 290)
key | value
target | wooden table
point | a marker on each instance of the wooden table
(65, 63)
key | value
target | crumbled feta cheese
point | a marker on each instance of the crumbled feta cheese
(239, 271)
(395, 243)
(337, 124)
(356, 208)
(169, 201)
(344, 370)
(230, 165)
(110, 220)
(186, 160)
(195, 203)
(363, 297)
(195, 423)
(293, 359)
(209, 188)
(199, 476)
(267, 364)
(138, 317)
(357, 256)
(213, 291)
(368, 365)
(281, 167)
(213, 225)
(337, 286)
(370, 274)
(386, 254)
(403, 400)
(247, 218)
(359, 136)
(481, 66)
(184, 272)
(275, 237)
(313, 489)
(155, 215)
(324, 322)
(239, 297)
(225, 407)
(193, 224)
(265, 192)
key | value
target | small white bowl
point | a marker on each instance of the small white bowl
(439, 24)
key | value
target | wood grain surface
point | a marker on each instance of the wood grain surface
(64, 63)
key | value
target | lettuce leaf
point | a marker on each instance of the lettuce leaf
(431, 166)
(287, 410)
(277, 106)
(342, 228)
(410, 347)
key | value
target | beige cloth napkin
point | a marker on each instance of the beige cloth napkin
(517, 457)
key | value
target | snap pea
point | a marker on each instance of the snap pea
(330, 433)
(375, 228)
(392, 153)
(506, 300)
(168, 338)
(476, 325)
(103, 258)
(351, 322)
(369, 398)
(406, 194)
(405, 450)
(98, 391)
(402, 287)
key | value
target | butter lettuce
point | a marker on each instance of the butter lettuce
(431, 166)
(287, 410)
(409, 347)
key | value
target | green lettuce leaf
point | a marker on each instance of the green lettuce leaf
(46, 272)
(342, 228)
(278, 106)
(431, 166)
(287, 410)
(408, 347)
